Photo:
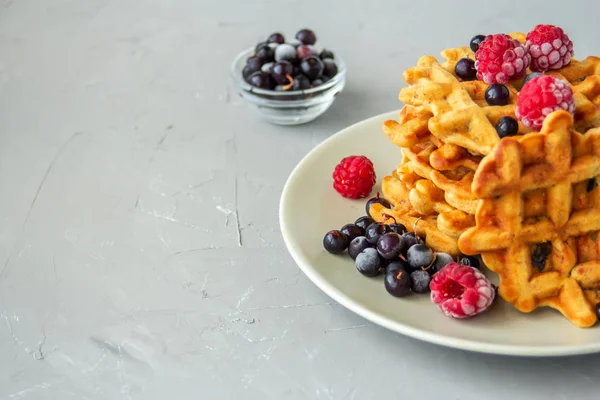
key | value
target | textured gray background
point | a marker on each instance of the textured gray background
(140, 255)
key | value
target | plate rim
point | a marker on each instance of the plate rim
(425, 336)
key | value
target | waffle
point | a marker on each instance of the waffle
(507, 199)
(557, 170)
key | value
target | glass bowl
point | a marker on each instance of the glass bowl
(293, 107)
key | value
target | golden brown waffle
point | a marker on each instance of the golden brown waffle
(520, 192)
(555, 170)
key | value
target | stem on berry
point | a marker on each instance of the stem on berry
(388, 216)
(432, 262)
(289, 85)
(415, 229)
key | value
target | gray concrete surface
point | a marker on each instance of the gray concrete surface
(140, 254)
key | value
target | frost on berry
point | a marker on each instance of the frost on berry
(549, 48)
(542, 96)
(461, 291)
(501, 58)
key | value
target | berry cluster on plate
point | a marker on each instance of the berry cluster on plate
(459, 289)
(500, 59)
(294, 65)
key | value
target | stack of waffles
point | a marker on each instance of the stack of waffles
(528, 204)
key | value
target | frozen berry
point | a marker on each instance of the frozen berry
(282, 72)
(470, 261)
(507, 126)
(261, 80)
(273, 46)
(497, 95)
(376, 200)
(397, 283)
(540, 254)
(398, 228)
(461, 291)
(357, 245)
(324, 78)
(267, 68)
(326, 54)
(354, 177)
(260, 46)
(352, 231)
(542, 96)
(300, 82)
(531, 76)
(285, 52)
(375, 231)
(476, 41)
(364, 222)
(246, 72)
(410, 239)
(335, 242)
(441, 260)
(501, 58)
(281, 88)
(266, 54)
(419, 256)
(276, 38)
(306, 36)
(254, 63)
(317, 82)
(390, 245)
(368, 262)
(465, 69)
(419, 281)
(330, 67)
(303, 51)
(549, 47)
(396, 265)
(312, 67)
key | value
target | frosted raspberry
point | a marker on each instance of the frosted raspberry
(461, 291)
(501, 58)
(354, 177)
(549, 47)
(542, 96)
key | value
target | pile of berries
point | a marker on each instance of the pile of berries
(460, 290)
(499, 59)
(295, 65)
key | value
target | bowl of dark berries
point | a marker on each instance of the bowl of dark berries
(289, 82)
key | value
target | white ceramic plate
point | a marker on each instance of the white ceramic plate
(310, 207)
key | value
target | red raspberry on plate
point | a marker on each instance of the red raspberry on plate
(541, 96)
(354, 177)
(501, 58)
(461, 291)
(549, 47)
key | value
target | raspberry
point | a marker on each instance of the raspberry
(461, 291)
(501, 58)
(549, 47)
(541, 96)
(354, 177)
